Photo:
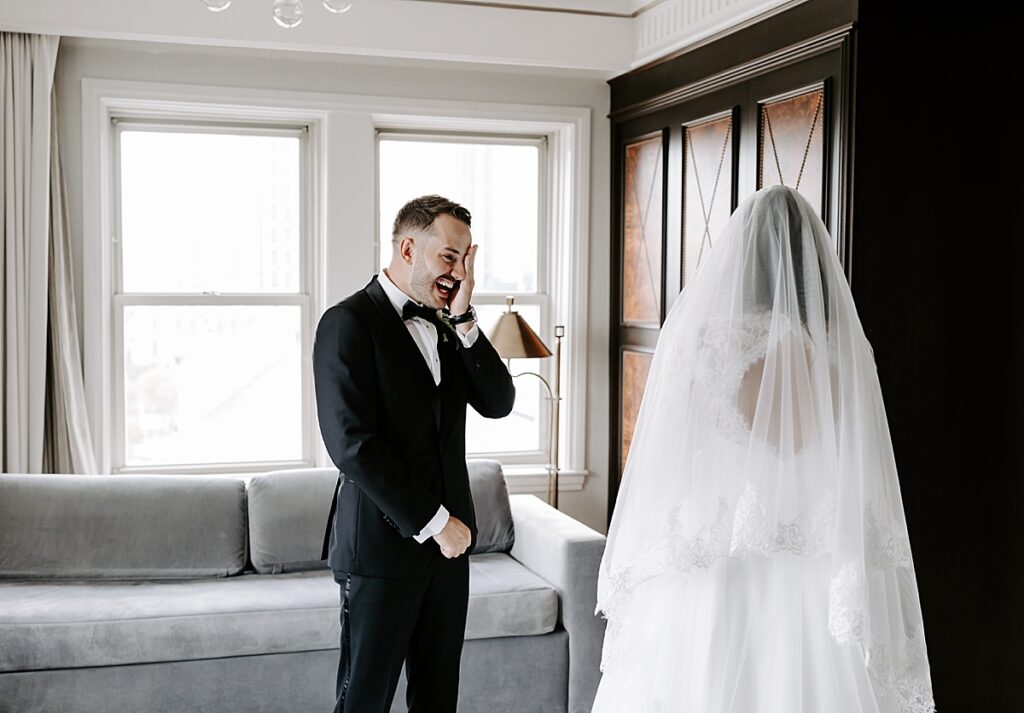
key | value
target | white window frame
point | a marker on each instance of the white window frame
(343, 218)
(122, 300)
(541, 297)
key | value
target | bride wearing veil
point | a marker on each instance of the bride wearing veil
(757, 559)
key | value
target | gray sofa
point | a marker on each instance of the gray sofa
(204, 593)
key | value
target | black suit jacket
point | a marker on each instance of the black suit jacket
(398, 440)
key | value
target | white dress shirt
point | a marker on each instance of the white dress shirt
(424, 334)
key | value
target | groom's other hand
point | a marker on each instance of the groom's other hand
(454, 539)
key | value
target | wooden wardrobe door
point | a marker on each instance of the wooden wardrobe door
(680, 169)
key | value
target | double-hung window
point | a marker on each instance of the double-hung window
(500, 179)
(211, 297)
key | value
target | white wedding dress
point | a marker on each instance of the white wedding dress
(757, 559)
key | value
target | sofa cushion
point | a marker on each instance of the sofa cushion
(507, 599)
(495, 532)
(72, 624)
(92, 623)
(116, 526)
(288, 512)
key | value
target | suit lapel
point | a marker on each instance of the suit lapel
(394, 325)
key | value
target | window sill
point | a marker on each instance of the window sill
(534, 479)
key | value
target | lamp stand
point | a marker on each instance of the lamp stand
(553, 450)
(554, 397)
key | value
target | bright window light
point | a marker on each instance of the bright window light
(210, 297)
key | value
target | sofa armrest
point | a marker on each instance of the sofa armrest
(567, 554)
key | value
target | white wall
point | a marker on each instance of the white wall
(181, 64)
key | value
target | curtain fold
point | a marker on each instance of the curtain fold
(26, 75)
(68, 444)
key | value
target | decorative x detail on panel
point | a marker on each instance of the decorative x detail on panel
(647, 159)
(707, 203)
(786, 109)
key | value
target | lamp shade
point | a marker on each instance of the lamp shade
(512, 338)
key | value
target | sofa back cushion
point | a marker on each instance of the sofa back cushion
(288, 512)
(120, 526)
(493, 513)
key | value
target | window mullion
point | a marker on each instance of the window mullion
(209, 299)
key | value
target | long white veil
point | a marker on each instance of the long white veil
(762, 455)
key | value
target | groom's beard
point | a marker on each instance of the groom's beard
(422, 284)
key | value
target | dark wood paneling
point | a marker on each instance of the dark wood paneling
(682, 198)
(792, 27)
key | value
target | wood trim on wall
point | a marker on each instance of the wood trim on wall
(776, 60)
(774, 35)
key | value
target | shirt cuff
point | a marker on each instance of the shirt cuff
(433, 527)
(469, 338)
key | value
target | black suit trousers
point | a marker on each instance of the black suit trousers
(419, 621)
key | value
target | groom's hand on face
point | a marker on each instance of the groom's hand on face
(454, 539)
(462, 295)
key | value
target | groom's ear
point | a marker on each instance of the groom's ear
(405, 249)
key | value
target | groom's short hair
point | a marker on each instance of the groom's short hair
(418, 215)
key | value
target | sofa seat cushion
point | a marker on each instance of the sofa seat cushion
(71, 624)
(78, 623)
(507, 599)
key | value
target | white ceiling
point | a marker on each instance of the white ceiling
(606, 37)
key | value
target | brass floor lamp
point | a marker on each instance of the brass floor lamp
(513, 338)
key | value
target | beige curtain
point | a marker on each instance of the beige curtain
(26, 76)
(44, 422)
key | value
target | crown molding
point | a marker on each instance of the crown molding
(407, 29)
(608, 37)
(670, 26)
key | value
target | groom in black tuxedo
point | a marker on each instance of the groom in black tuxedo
(395, 365)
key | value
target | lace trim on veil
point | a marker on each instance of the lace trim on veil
(898, 669)
(900, 676)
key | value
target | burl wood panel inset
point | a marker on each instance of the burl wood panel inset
(792, 145)
(635, 367)
(707, 188)
(642, 235)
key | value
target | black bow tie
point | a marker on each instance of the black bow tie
(411, 309)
